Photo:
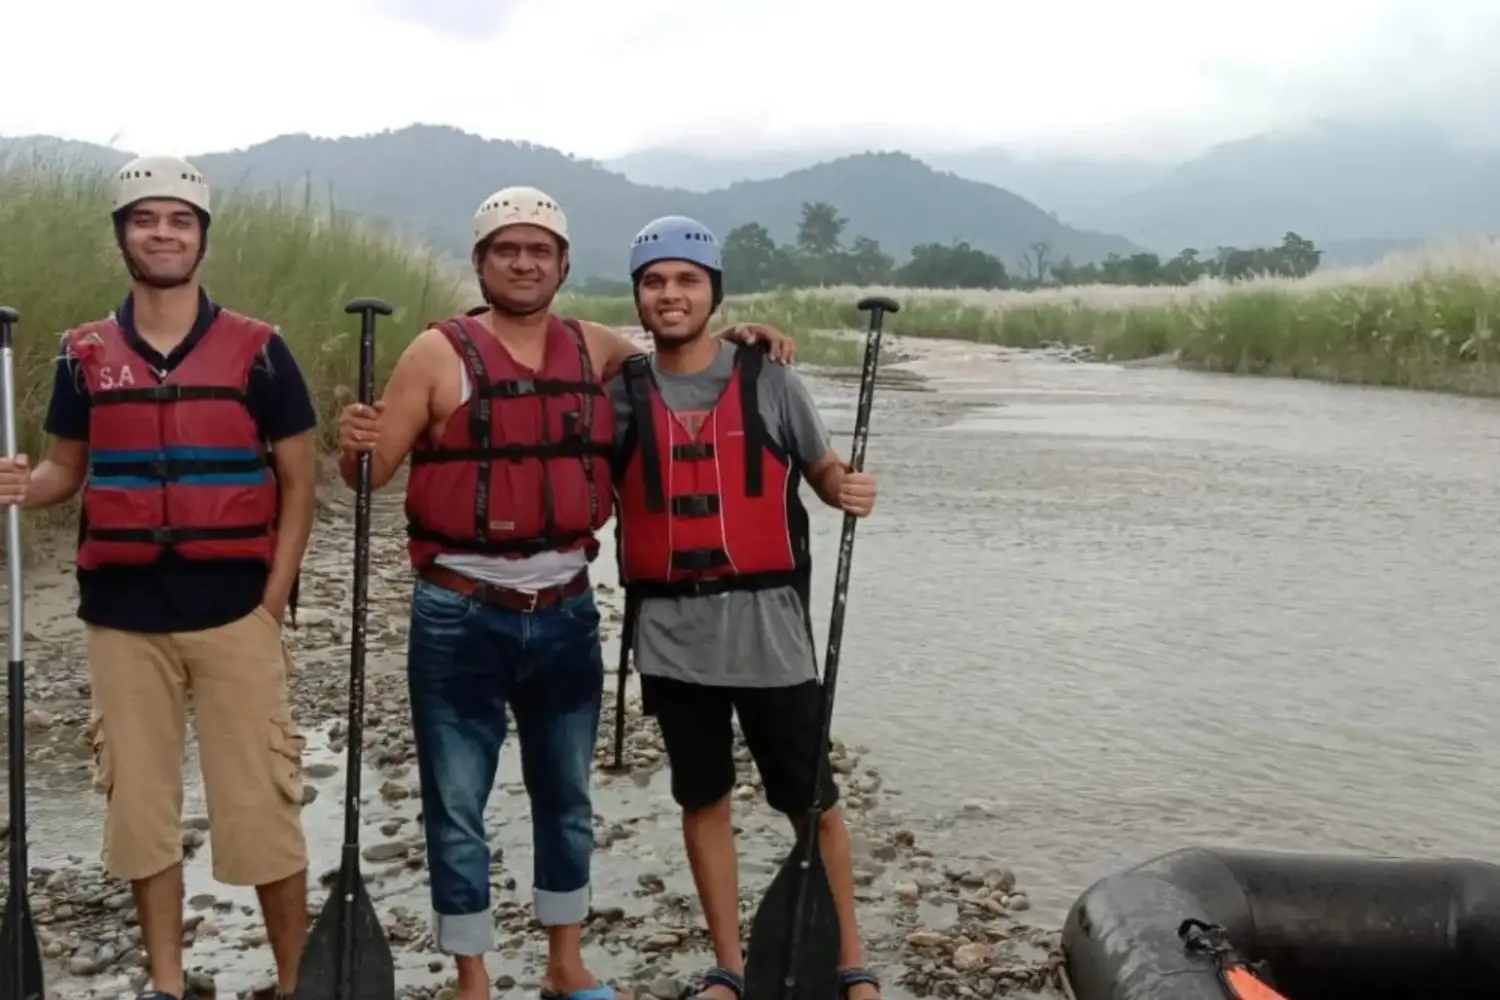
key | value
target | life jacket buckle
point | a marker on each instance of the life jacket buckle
(512, 388)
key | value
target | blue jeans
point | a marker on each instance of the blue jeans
(465, 661)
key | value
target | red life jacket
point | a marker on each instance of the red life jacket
(522, 466)
(177, 463)
(713, 511)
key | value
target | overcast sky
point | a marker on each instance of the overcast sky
(602, 77)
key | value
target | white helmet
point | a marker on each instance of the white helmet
(520, 206)
(160, 177)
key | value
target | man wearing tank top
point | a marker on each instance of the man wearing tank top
(504, 416)
(712, 446)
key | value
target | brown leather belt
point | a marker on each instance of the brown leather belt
(504, 597)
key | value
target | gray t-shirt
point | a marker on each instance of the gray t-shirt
(742, 638)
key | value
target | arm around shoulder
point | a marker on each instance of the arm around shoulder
(608, 347)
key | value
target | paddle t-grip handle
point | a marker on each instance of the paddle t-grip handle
(379, 307)
(8, 319)
(367, 309)
(877, 306)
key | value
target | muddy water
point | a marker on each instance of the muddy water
(1115, 611)
(1102, 612)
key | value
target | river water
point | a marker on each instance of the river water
(1105, 612)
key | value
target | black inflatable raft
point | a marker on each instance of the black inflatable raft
(1309, 927)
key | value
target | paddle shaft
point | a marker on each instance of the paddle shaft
(357, 645)
(16, 667)
(627, 638)
(836, 631)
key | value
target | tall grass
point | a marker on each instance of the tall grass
(287, 262)
(1421, 320)
(283, 263)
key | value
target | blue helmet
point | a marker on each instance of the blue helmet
(675, 237)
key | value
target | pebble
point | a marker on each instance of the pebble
(654, 938)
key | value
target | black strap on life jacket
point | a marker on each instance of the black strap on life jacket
(639, 390)
(171, 537)
(166, 470)
(576, 442)
(166, 392)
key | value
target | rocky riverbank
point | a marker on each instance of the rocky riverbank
(931, 929)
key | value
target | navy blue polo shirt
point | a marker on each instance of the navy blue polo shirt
(175, 594)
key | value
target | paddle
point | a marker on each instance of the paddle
(794, 938)
(627, 637)
(347, 956)
(22, 956)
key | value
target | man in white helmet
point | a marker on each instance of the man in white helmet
(504, 416)
(190, 431)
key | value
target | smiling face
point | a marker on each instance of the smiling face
(675, 299)
(521, 268)
(164, 239)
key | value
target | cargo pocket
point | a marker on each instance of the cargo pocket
(104, 764)
(287, 745)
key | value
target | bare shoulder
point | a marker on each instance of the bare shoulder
(597, 333)
(423, 357)
(430, 343)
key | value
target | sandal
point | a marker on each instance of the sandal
(715, 976)
(850, 978)
(601, 992)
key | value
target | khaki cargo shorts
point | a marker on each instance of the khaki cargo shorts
(249, 748)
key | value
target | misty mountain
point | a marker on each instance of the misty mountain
(1359, 189)
(1068, 186)
(427, 180)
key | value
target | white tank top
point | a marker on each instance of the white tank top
(529, 573)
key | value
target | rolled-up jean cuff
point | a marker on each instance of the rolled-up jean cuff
(464, 933)
(561, 909)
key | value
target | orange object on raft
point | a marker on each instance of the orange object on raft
(1201, 924)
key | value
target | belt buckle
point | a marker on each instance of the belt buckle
(532, 599)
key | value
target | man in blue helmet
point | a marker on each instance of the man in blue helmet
(713, 445)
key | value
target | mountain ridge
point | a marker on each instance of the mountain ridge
(426, 180)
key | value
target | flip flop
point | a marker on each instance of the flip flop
(849, 978)
(715, 976)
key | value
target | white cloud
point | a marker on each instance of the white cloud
(598, 77)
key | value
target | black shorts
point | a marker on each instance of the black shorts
(781, 727)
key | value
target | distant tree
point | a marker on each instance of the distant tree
(1036, 263)
(1183, 269)
(820, 234)
(957, 265)
(752, 261)
(1298, 255)
(866, 263)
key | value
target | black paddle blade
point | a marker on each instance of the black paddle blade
(18, 939)
(769, 962)
(372, 975)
